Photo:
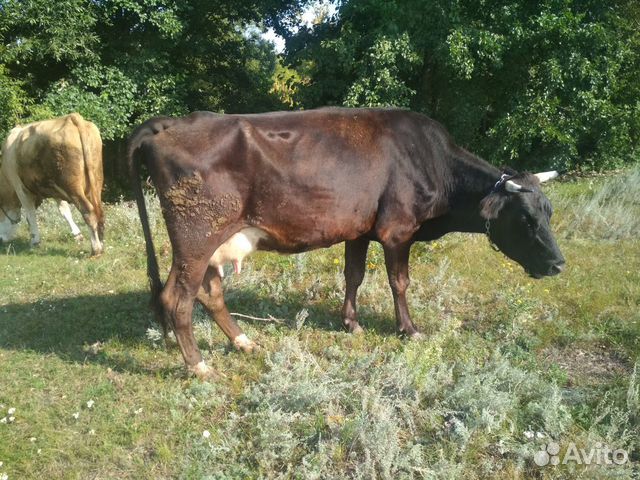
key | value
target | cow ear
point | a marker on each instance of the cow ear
(491, 205)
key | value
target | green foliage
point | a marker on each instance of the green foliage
(119, 62)
(535, 85)
(379, 74)
(44, 34)
(12, 100)
(286, 84)
(103, 95)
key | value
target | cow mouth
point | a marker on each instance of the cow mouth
(554, 269)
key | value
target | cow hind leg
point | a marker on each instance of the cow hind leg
(29, 205)
(397, 263)
(100, 220)
(91, 219)
(177, 299)
(355, 252)
(211, 297)
(65, 211)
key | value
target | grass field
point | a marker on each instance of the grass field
(508, 364)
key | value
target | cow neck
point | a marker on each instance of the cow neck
(473, 179)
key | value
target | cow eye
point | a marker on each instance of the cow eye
(530, 222)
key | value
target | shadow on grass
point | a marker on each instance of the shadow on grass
(67, 327)
(22, 246)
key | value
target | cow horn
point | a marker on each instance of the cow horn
(513, 187)
(544, 176)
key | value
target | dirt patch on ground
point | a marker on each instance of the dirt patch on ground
(587, 364)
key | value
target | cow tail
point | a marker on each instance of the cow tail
(135, 156)
(92, 164)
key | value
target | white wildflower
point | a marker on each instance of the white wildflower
(11, 419)
(531, 434)
(92, 432)
(11, 411)
(76, 415)
(90, 404)
(138, 411)
(206, 434)
(4, 476)
(32, 439)
(3, 420)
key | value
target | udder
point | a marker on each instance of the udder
(236, 249)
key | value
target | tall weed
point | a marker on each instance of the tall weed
(608, 210)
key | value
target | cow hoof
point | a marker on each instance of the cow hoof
(416, 336)
(242, 342)
(203, 371)
(356, 330)
(412, 335)
(78, 238)
(353, 327)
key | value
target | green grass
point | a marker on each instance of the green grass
(504, 355)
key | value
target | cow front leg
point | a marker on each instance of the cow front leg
(65, 211)
(211, 297)
(355, 254)
(397, 262)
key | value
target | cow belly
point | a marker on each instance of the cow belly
(236, 249)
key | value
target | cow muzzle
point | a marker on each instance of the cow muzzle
(8, 229)
(550, 271)
(556, 268)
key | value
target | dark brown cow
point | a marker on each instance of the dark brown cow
(296, 181)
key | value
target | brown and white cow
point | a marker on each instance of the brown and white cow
(296, 181)
(61, 159)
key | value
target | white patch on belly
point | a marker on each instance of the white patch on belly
(236, 249)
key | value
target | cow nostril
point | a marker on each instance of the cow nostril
(557, 268)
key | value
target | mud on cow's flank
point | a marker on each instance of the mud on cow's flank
(189, 198)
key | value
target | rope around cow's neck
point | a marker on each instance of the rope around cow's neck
(487, 225)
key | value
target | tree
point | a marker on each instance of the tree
(533, 84)
(119, 62)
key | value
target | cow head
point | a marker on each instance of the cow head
(9, 210)
(517, 216)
